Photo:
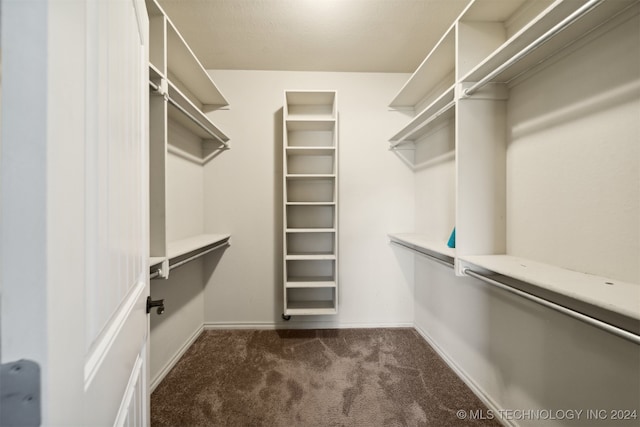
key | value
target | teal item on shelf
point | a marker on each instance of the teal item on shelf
(452, 239)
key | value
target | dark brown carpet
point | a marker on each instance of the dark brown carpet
(344, 377)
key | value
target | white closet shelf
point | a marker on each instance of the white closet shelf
(156, 260)
(207, 130)
(438, 64)
(182, 247)
(310, 230)
(423, 242)
(439, 111)
(310, 151)
(306, 124)
(310, 282)
(311, 203)
(537, 28)
(310, 308)
(311, 257)
(310, 176)
(609, 294)
(185, 66)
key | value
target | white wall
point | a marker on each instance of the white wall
(173, 331)
(573, 185)
(243, 196)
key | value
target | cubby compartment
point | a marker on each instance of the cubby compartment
(312, 104)
(309, 243)
(310, 189)
(305, 133)
(310, 216)
(311, 301)
(311, 160)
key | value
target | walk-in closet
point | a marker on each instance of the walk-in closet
(320, 212)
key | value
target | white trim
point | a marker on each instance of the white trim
(292, 324)
(136, 376)
(475, 388)
(176, 357)
(108, 337)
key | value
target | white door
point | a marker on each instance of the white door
(74, 206)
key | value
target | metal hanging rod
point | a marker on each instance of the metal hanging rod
(191, 117)
(423, 253)
(577, 14)
(198, 255)
(155, 274)
(622, 333)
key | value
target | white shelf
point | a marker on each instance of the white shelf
(310, 230)
(183, 64)
(156, 260)
(191, 244)
(310, 151)
(309, 176)
(310, 257)
(310, 282)
(609, 294)
(311, 203)
(174, 113)
(310, 308)
(436, 67)
(306, 124)
(422, 242)
(439, 111)
(534, 29)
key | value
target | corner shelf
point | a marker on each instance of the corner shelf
(310, 211)
(466, 98)
(182, 92)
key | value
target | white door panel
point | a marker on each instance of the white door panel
(74, 205)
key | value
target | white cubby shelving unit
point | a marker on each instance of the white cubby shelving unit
(181, 92)
(470, 100)
(310, 189)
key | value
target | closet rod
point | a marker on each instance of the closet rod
(577, 14)
(198, 255)
(155, 274)
(424, 254)
(431, 119)
(622, 333)
(191, 117)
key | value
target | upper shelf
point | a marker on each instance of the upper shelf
(184, 66)
(438, 111)
(437, 67)
(206, 129)
(310, 105)
(547, 25)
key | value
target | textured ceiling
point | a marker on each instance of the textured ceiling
(312, 35)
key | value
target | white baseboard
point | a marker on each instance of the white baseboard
(302, 325)
(176, 357)
(475, 388)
